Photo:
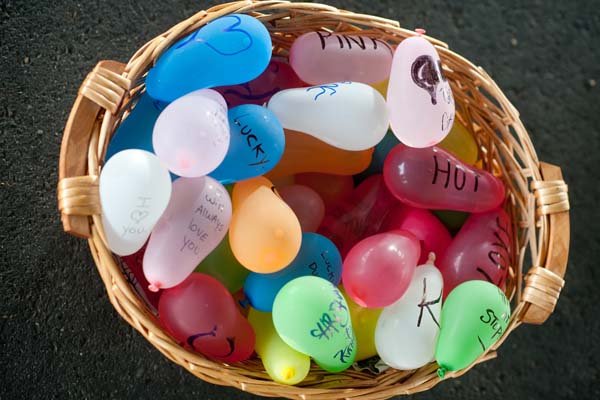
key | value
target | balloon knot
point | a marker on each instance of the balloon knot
(441, 372)
(154, 288)
(431, 258)
(420, 31)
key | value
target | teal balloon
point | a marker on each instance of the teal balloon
(380, 152)
(311, 316)
(222, 265)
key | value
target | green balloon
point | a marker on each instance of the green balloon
(312, 317)
(223, 266)
(453, 220)
(474, 317)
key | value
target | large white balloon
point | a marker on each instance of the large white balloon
(407, 331)
(134, 191)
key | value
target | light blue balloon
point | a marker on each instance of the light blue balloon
(230, 50)
(256, 144)
(318, 256)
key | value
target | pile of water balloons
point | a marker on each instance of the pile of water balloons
(317, 267)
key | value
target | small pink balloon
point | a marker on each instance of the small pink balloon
(482, 250)
(306, 204)
(434, 179)
(378, 270)
(134, 271)
(323, 57)
(432, 234)
(201, 314)
(194, 223)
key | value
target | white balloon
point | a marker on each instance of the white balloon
(134, 191)
(347, 115)
(407, 331)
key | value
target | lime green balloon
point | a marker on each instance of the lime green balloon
(474, 317)
(453, 220)
(312, 316)
(222, 265)
(282, 363)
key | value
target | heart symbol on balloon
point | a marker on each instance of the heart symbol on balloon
(225, 45)
(138, 216)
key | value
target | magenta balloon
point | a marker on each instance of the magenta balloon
(201, 315)
(378, 270)
(482, 250)
(432, 234)
(433, 178)
(306, 204)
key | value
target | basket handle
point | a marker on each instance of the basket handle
(543, 284)
(78, 196)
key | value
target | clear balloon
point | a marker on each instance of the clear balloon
(331, 188)
(419, 97)
(222, 265)
(433, 178)
(474, 317)
(482, 250)
(306, 204)
(407, 330)
(132, 266)
(264, 234)
(318, 256)
(364, 321)
(378, 270)
(193, 224)
(218, 331)
(348, 115)
(312, 317)
(461, 144)
(230, 50)
(322, 57)
(135, 189)
(256, 144)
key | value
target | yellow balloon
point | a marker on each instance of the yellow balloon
(381, 87)
(461, 144)
(282, 363)
(264, 232)
(364, 321)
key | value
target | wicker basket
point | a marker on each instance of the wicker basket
(537, 198)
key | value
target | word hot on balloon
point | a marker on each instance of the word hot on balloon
(433, 178)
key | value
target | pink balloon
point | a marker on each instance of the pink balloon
(359, 215)
(433, 178)
(324, 57)
(331, 188)
(134, 271)
(379, 269)
(432, 234)
(419, 97)
(482, 250)
(201, 314)
(306, 204)
(194, 223)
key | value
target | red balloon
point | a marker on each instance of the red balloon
(331, 188)
(379, 269)
(306, 204)
(201, 314)
(433, 178)
(134, 272)
(482, 250)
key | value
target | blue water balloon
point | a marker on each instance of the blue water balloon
(227, 51)
(318, 256)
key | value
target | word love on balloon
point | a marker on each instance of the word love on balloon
(312, 317)
(419, 97)
(264, 234)
(321, 57)
(134, 191)
(306, 204)
(219, 331)
(474, 317)
(379, 269)
(222, 265)
(318, 256)
(227, 51)
(256, 144)
(433, 178)
(191, 135)
(407, 331)
(364, 321)
(482, 249)
(193, 224)
(348, 115)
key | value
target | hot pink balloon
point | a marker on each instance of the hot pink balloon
(324, 57)
(432, 234)
(482, 250)
(433, 178)
(378, 270)
(201, 314)
(419, 97)
(306, 204)
(194, 223)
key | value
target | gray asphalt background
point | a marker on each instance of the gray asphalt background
(60, 337)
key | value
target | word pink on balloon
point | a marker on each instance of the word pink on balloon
(322, 57)
(433, 178)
